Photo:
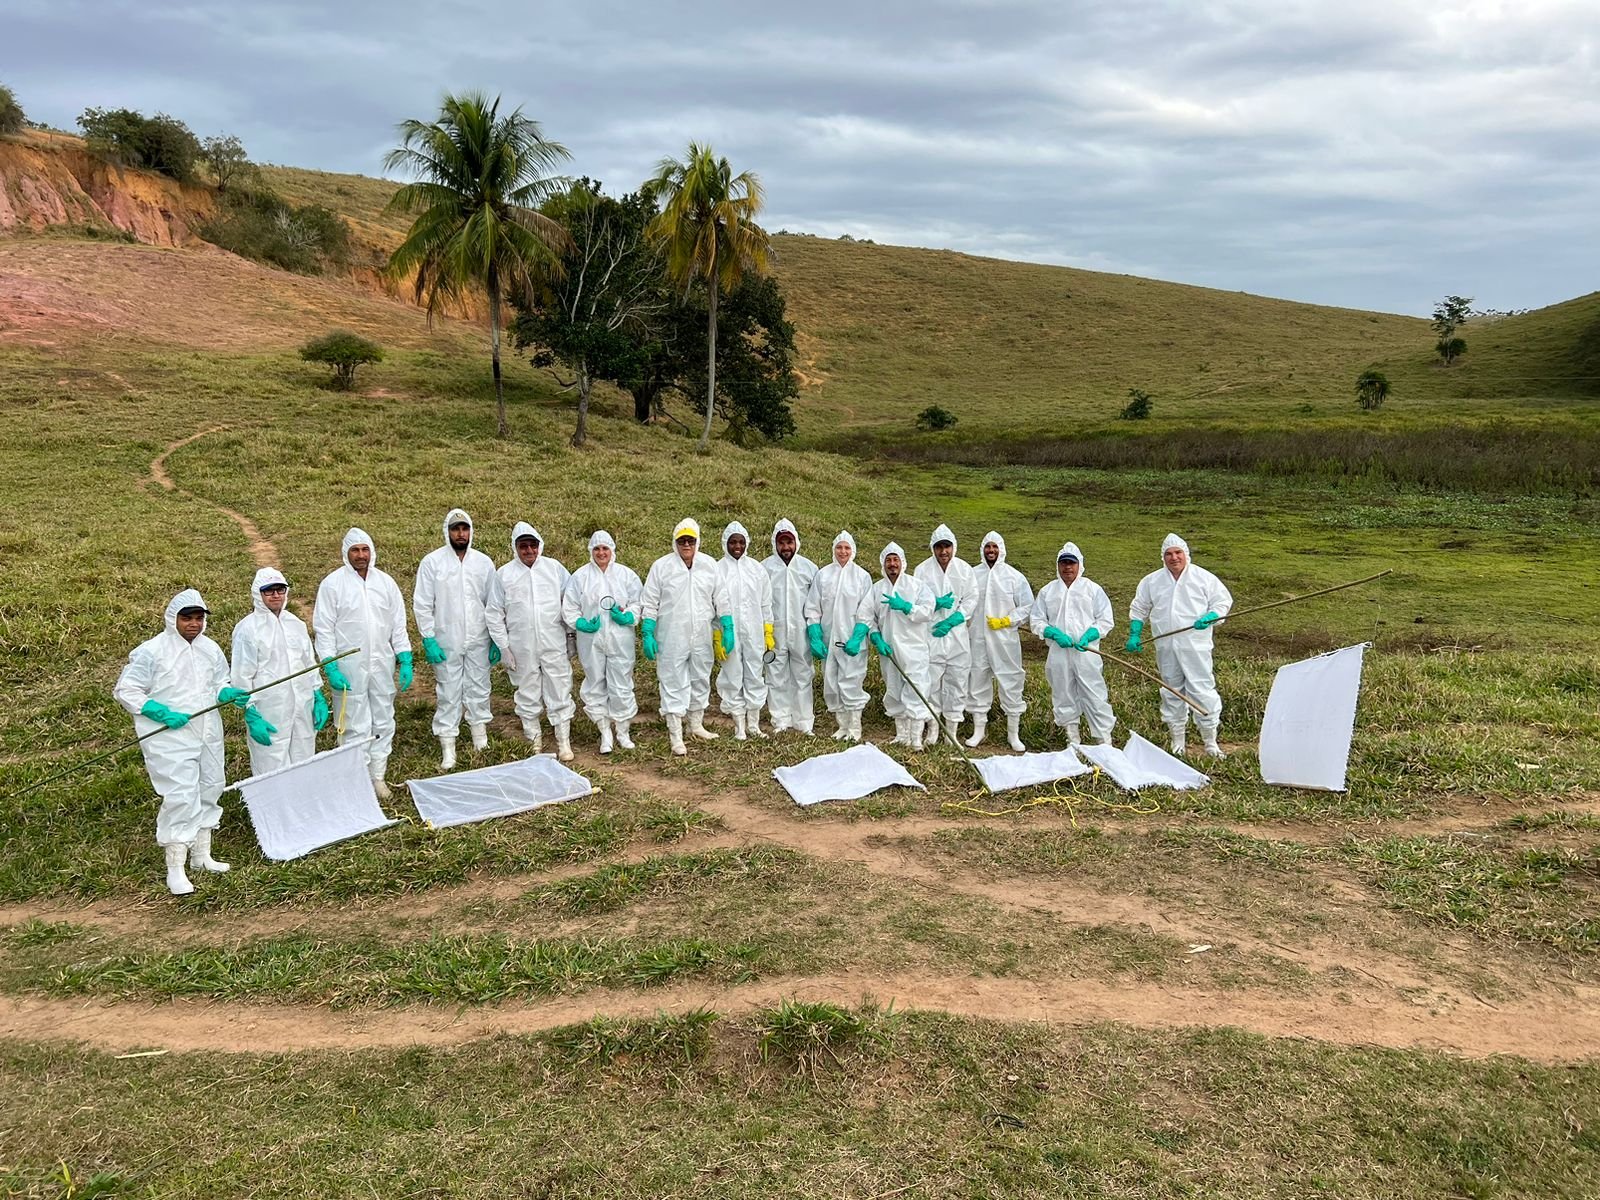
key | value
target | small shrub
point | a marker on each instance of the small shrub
(344, 352)
(935, 418)
(1139, 405)
(131, 139)
(1372, 389)
(12, 118)
(1450, 348)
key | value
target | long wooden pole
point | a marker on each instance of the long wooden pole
(1244, 612)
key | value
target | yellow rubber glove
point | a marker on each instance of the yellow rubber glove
(716, 645)
(772, 642)
(999, 622)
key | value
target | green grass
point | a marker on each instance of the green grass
(812, 1034)
(616, 885)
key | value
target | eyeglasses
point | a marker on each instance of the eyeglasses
(274, 587)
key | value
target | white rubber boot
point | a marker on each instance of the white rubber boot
(739, 735)
(914, 728)
(1178, 738)
(980, 723)
(200, 854)
(177, 882)
(901, 736)
(606, 743)
(535, 735)
(380, 789)
(697, 727)
(930, 732)
(807, 729)
(564, 741)
(624, 736)
(952, 726)
(779, 724)
(755, 725)
(1074, 738)
(1013, 732)
(675, 735)
(447, 755)
(480, 737)
(1208, 739)
(854, 732)
(843, 732)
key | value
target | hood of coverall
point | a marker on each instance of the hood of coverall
(1072, 549)
(601, 538)
(892, 548)
(999, 541)
(263, 577)
(454, 517)
(733, 528)
(1171, 540)
(188, 598)
(944, 534)
(523, 529)
(690, 526)
(357, 537)
(844, 536)
(785, 525)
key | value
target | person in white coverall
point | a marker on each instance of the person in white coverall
(268, 644)
(167, 681)
(602, 604)
(831, 619)
(524, 619)
(747, 597)
(1072, 612)
(360, 607)
(681, 603)
(1182, 596)
(955, 596)
(897, 613)
(451, 603)
(1004, 601)
(790, 674)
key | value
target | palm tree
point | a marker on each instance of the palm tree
(707, 228)
(479, 180)
(1372, 389)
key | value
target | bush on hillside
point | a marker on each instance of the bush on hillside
(228, 161)
(131, 139)
(935, 418)
(344, 352)
(1451, 348)
(12, 118)
(259, 224)
(1372, 389)
(1139, 405)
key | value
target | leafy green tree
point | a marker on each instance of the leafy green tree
(480, 178)
(753, 345)
(1449, 315)
(131, 139)
(1372, 389)
(936, 417)
(344, 352)
(12, 118)
(1451, 348)
(1139, 406)
(708, 232)
(228, 161)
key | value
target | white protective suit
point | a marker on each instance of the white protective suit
(1077, 677)
(835, 593)
(524, 620)
(747, 594)
(909, 637)
(185, 765)
(790, 675)
(368, 613)
(950, 657)
(451, 604)
(268, 646)
(685, 603)
(608, 653)
(1164, 603)
(997, 653)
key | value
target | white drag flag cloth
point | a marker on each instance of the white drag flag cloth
(1310, 719)
(312, 804)
(1142, 764)
(1003, 772)
(848, 775)
(468, 796)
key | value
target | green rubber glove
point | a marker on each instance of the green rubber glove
(1052, 634)
(621, 615)
(950, 622)
(857, 636)
(432, 651)
(158, 711)
(403, 661)
(319, 711)
(881, 646)
(650, 647)
(587, 624)
(948, 600)
(494, 654)
(897, 602)
(1135, 632)
(818, 640)
(1090, 636)
(237, 697)
(261, 729)
(727, 634)
(1207, 621)
(336, 679)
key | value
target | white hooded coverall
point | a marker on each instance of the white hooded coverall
(832, 601)
(907, 634)
(684, 602)
(524, 620)
(268, 646)
(790, 675)
(608, 653)
(451, 605)
(1077, 677)
(997, 653)
(185, 765)
(368, 613)
(950, 656)
(747, 594)
(1164, 603)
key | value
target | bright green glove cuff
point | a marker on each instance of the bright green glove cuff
(158, 711)
(432, 651)
(897, 602)
(857, 636)
(956, 618)
(620, 615)
(727, 634)
(494, 654)
(881, 646)
(336, 679)
(237, 697)
(407, 671)
(1207, 621)
(948, 600)
(587, 624)
(261, 729)
(1090, 636)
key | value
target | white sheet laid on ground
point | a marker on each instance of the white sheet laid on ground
(312, 804)
(1310, 718)
(848, 775)
(467, 796)
(1142, 764)
(1002, 772)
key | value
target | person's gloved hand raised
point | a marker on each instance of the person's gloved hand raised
(948, 600)
(897, 602)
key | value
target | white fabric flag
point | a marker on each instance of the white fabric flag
(848, 775)
(468, 796)
(311, 804)
(1002, 772)
(1142, 764)
(1310, 719)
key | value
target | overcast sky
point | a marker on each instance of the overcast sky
(1372, 153)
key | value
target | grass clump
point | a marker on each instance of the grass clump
(674, 822)
(614, 886)
(666, 1038)
(806, 1034)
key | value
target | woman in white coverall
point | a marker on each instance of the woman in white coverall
(1183, 596)
(1004, 601)
(1071, 613)
(359, 606)
(167, 680)
(747, 598)
(955, 598)
(268, 644)
(790, 676)
(602, 604)
(681, 602)
(454, 584)
(830, 619)
(524, 619)
(897, 612)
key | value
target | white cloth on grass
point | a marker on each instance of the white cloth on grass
(1142, 764)
(848, 775)
(1002, 772)
(311, 804)
(467, 796)
(1310, 718)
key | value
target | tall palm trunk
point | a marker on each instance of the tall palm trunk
(711, 363)
(503, 429)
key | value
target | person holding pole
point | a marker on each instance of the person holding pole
(897, 613)
(267, 645)
(955, 598)
(1072, 612)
